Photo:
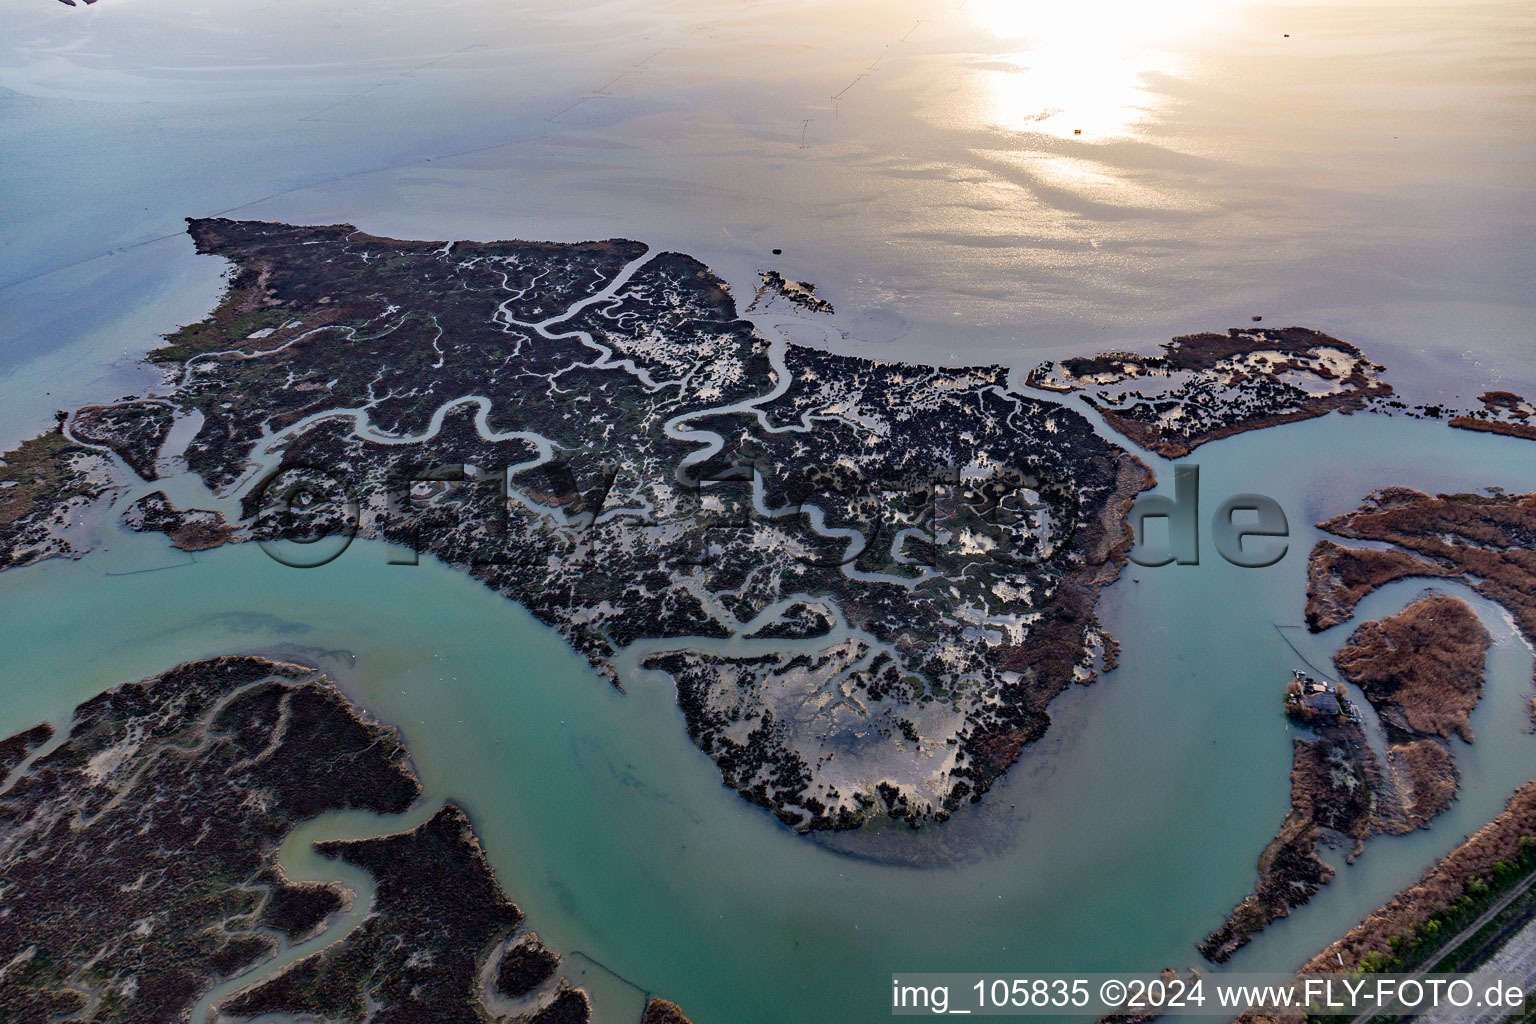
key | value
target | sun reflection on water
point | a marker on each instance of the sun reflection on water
(1083, 67)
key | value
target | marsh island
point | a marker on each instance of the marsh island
(593, 431)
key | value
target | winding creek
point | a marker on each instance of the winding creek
(1126, 833)
(1115, 843)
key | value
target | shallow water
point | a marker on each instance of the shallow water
(1114, 844)
(1367, 176)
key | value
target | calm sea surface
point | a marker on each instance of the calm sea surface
(1369, 175)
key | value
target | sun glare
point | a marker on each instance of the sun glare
(1082, 67)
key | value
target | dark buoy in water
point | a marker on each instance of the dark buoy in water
(778, 252)
(1135, 579)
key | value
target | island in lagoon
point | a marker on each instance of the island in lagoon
(1208, 386)
(139, 858)
(1421, 670)
(866, 580)
(1342, 790)
(1503, 412)
(1482, 540)
(591, 430)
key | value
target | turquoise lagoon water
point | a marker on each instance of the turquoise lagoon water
(1361, 168)
(1114, 844)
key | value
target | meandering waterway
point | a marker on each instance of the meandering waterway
(1239, 167)
(1115, 843)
